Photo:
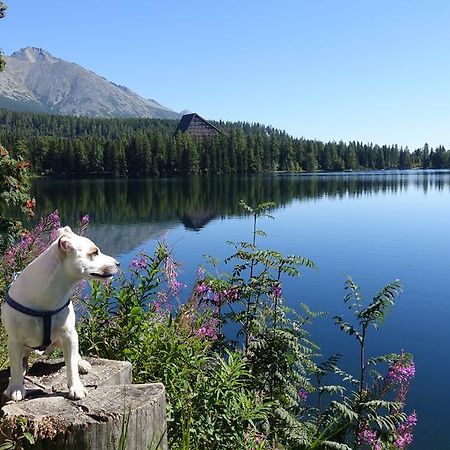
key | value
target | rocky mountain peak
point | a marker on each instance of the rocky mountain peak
(35, 80)
(33, 54)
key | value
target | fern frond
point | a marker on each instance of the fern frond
(344, 410)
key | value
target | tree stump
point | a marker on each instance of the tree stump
(115, 415)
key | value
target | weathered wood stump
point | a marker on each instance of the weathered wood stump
(116, 414)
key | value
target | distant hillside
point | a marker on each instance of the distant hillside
(36, 81)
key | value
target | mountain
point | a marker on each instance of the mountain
(36, 81)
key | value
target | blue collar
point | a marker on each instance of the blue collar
(46, 317)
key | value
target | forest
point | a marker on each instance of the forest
(138, 147)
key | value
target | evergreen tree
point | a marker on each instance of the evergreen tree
(425, 157)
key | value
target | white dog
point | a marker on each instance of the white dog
(37, 312)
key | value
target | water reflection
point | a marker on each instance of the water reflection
(195, 201)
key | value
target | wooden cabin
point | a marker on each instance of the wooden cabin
(197, 127)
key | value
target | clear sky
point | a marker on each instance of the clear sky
(370, 70)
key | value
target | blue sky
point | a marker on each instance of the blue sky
(369, 70)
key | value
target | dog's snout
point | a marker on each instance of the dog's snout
(117, 263)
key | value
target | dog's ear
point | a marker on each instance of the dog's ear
(64, 244)
(64, 230)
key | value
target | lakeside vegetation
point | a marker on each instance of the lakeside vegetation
(80, 146)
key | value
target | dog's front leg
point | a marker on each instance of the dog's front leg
(16, 389)
(70, 351)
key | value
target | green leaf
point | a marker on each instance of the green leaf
(29, 437)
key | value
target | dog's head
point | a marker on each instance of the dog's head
(82, 258)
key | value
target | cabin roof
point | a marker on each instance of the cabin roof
(186, 120)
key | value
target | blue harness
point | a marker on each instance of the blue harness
(46, 317)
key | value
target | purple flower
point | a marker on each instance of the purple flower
(162, 297)
(202, 288)
(206, 332)
(399, 373)
(404, 435)
(85, 220)
(231, 294)
(303, 395)
(276, 290)
(170, 269)
(138, 264)
(54, 219)
(368, 436)
(200, 273)
(53, 235)
(208, 329)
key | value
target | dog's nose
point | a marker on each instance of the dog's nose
(117, 263)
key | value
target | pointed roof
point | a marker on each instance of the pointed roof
(187, 119)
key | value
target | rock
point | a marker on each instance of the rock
(116, 414)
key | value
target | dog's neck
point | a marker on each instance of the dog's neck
(44, 284)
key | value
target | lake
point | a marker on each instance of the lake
(374, 226)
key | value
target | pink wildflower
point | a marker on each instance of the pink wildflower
(162, 296)
(171, 272)
(368, 436)
(399, 376)
(231, 294)
(85, 220)
(139, 263)
(399, 373)
(202, 288)
(404, 436)
(208, 329)
(276, 290)
(54, 219)
(303, 395)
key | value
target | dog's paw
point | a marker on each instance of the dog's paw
(15, 393)
(83, 366)
(77, 392)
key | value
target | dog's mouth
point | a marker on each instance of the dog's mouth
(101, 276)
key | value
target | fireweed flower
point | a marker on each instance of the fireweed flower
(231, 294)
(162, 297)
(404, 435)
(201, 288)
(85, 220)
(84, 223)
(368, 436)
(400, 373)
(303, 395)
(170, 269)
(33, 242)
(138, 264)
(276, 290)
(209, 329)
(54, 219)
(207, 332)
(200, 273)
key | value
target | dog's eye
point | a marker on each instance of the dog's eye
(94, 252)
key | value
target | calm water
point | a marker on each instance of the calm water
(373, 226)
